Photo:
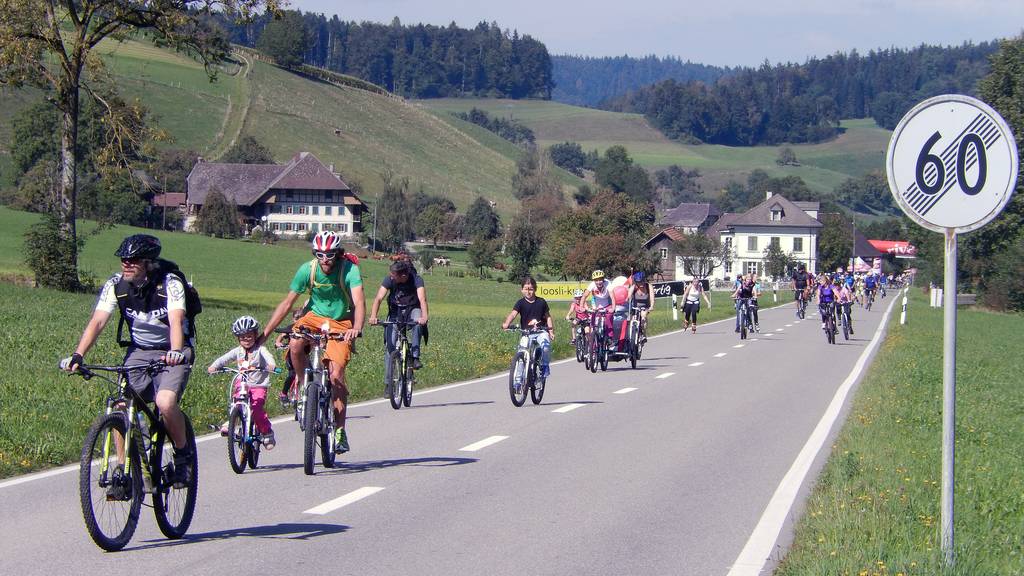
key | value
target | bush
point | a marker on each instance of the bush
(49, 254)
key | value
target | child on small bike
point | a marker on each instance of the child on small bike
(248, 356)
(533, 312)
(577, 313)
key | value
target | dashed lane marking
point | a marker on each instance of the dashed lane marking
(624, 391)
(720, 354)
(353, 496)
(738, 346)
(483, 443)
(665, 375)
(696, 364)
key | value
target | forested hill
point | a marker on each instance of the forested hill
(419, 61)
(586, 81)
(803, 103)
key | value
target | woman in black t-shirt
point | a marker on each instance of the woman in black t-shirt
(534, 311)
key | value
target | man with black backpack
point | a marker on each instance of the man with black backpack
(159, 306)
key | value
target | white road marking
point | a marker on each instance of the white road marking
(353, 496)
(568, 408)
(624, 391)
(779, 329)
(483, 443)
(697, 364)
(665, 375)
(789, 325)
(756, 339)
(720, 354)
(768, 335)
(761, 544)
(738, 346)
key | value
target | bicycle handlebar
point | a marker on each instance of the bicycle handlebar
(230, 370)
(396, 323)
(527, 331)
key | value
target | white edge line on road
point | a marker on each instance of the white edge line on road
(664, 375)
(696, 364)
(353, 496)
(624, 391)
(760, 546)
(568, 408)
(720, 354)
(483, 443)
(291, 417)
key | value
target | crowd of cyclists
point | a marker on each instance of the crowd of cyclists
(152, 303)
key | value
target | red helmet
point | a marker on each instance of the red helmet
(327, 241)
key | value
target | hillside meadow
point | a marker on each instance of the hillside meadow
(860, 149)
(44, 413)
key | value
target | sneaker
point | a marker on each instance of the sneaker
(757, 327)
(686, 325)
(269, 441)
(224, 429)
(416, 364)
(694, 329)
(182, 469)
(822, 325)
(283, 399)
(119, 490)
(340, 441)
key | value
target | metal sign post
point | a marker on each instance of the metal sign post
(952, 166)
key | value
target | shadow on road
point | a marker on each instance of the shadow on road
(371, 465)
(446, 404)
(290, 531)
(542, 404)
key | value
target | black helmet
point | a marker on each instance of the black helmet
(139, 246)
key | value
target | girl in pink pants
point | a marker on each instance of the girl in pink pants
(256, 364)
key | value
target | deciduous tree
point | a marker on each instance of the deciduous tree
(218, 216)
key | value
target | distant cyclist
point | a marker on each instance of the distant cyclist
(641, 296)
(577, 313)
(800, 279)
(598, 298)
(335, 289)
(870, 285)
(407, 302)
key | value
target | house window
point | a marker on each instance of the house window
(728, 244)
(287, 226)
(341, 210)
(776, 242)
(328, 196)
(728, 267)
(315, 210)
(275, 226)
(302, 209)
(301, 226)
(327, 210)
(751, 267)
(289, 209)
(664, 253)
(798, 244)
(751, 243)
(342, 227)
(776, 215)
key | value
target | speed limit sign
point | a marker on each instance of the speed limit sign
(952, 163)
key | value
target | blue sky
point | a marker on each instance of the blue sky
(722, 33)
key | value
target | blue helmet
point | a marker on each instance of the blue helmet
(639, 277)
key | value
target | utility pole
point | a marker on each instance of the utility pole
(163, 224)
(376, 209)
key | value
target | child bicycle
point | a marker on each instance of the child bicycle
(127, 453)
(579, 331)
(399, 372)
(244, 440)
(524, 372)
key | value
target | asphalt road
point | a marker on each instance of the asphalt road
(666, 469)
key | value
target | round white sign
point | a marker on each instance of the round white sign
(952, 163)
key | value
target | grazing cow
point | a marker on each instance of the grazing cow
(442, 261)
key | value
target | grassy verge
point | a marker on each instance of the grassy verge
(875, 508)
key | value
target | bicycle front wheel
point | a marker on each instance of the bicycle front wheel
(517, 380)
(410, 377)
(395, 384)
(236, 440)
(174, 506)
(111, 496)
(312, 413)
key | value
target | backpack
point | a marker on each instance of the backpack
(354, 261)
(193, 304)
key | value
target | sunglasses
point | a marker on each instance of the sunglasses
(325, 255)
(132, 261)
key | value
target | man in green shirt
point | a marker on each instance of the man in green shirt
(335, 289)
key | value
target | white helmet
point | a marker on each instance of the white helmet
(327, 241)
(244, 325)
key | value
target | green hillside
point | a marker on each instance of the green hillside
(823, 166)
(361, 133)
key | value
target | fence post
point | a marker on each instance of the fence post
(675, 309)
(903, 313)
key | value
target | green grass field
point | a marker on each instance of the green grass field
(44, 414)
(860, 149)
(875, 508)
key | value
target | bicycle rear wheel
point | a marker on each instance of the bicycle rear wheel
(394, 387)
(237, 453)
(581, 345)
(110, 498)
(410, 377)
(174, 507)
(517, 384)
(312, 413)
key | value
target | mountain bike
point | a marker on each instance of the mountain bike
(844, 316)
(244, 440)
(746, 319)
(315, 410)
(635, 335)
(398, 366)
(128, 453)
(524, 372)
(801, 304)
(869, 299)
(598, 355)
(828, 317)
